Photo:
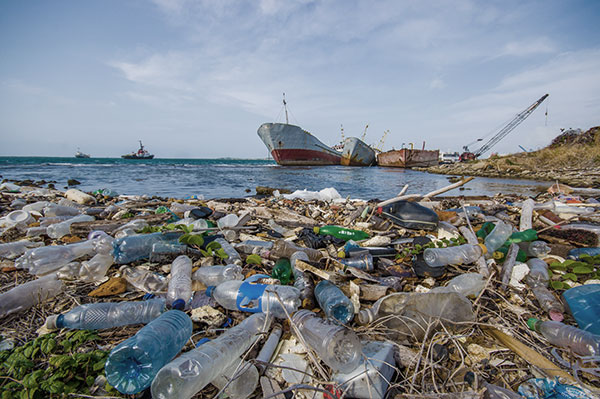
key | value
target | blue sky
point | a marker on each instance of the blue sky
(196, 78)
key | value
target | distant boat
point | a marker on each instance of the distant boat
(80, 154)
(139, 154)
(408, 158)
(356, 152)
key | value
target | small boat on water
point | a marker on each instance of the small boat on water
(408, 158)
(356, 152)
(80, 154)
(292, 145)
(139, 154)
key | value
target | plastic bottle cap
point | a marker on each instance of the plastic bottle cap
(178, 304)
(209, 290)
(483, 248)
(316, 229)
(532, 322)
(51, 322)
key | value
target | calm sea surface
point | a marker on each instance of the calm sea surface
(229, 178)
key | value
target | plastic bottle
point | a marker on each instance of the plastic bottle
(164, 252)
(303, 281)
(498, 236)
(133, 364)
(579, 341)
(139, 246)
(29, 294)
(44, 260)
(254, 246)
(179, 292)
(227, 221)
(215, 275)
(37, 206)
(537, 280)
(484, 230)
(232, 254)
(362, 260)
(576, 253)
(460, 255)
(333, 302)
(537, 249)
(11, 250)
(282, 271)
(521, 236)
(144, 280)
(467, 284)
(285, 249)
(584, 304)
(336, 345)
(61, 229)
(130, 228)
(239, 380)
(52, 209)
(342, 233)
(189, 373)
(500, 254)
(526, 214)
(95, 268)
(266, 353)
(248, 296)
(95, 316)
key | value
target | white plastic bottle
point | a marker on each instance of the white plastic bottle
(61, 229)
(183, 377)
(179, 291)
(29, 294)
(215, 275)
(460, 255)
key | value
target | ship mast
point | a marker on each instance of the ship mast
(287, 122)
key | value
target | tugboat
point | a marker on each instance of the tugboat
(80, 154)
(140, 154)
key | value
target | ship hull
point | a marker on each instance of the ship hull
(291, 145)
(357, 153)
(407, 158)
(136, 157)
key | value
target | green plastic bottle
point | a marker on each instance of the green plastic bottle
(282, 271)
(522, 236)
(485, 229)
(342, 233)
(500, 254)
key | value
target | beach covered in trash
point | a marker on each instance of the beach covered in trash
(303, 294)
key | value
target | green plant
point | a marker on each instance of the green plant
(418, 248)
(588, 267)
(52, 365)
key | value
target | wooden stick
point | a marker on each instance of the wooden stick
(448, 188)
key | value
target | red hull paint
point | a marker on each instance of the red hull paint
(304, 157)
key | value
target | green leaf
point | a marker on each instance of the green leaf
(67, 345)
(557, 285)
(253, 259)
(197, 240)
(213, 245)
(569, 276)
(56, 387)
(557, 266)
(48, 345)
(221, 253)
(568, 262)
(89, 380)
(99, 365)
(583, 269)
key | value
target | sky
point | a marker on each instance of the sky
(196, 78)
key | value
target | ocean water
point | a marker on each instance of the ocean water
(233, 178)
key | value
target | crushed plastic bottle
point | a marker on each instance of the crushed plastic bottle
(254, 247)
(96, 316)
(537, 249)
(333, 302)
(61, 229)
(215, 275)
(460, 255)
(144, 280)
(29, 294)
(179, 292)
(134, 363)
(336, 345)
(131, 248)
(467, 284)
(183, 377)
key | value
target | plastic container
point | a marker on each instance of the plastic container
(303, 281)
(16, 218)
(537, 249)
(29, 294)
(576, 253)
(579, 341)
(95, 316)
(253, 246)
(61, 229)
(498, 236)
(144, 280)
(521, 236)
(11, 250)
(131, 248)
(47, 259)
(189, 373)
(362, 260)
(409, 215)
(537, 280)
(228, 221)
(336, 345)
(467, 284)
(584, 304)
(526, 214)
(179, 291)
(333, 302)
(282, 270)
(249, 296)
(133, 364)
(215, 275)
(285, 249)
(342, 233)
(52, 209)
(460, 255)
(95, 269)
(164, 252)
(233, 255)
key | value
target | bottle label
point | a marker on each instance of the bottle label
(249, 298)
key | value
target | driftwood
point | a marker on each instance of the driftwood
(428, 195)
(108, 226)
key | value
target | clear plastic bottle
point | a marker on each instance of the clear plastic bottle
(52, 209)
(266, 353)
(95, 316)
(133, 364)
(336, 345)
(579, 341)
(29, 294)
(95, 269)
(537, 249)
(239, 380)
(44, 260)
(139, 246)
(537, 280)
(254, 246)
(303, 281)
(526, 214)
(248, 296)
(467, 284)
(460, 255)
(333, 302)
(232, 254)
(179, 292)
(130, 228)
(11, 250)
(215, 275)
(61, 229)
(145, 280)
(228, 221)
(285, 249)
(497, 236)
(37, 206)
(189, 373)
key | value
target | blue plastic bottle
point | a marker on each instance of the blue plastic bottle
(584, 304)
(576, 253)
(133, 364)
(139, 246)
(334, 303)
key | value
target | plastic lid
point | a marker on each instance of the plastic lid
(178, 304)
(51, 322)
(483, 248)
(532, 322)
(209, 290)
(316, 229)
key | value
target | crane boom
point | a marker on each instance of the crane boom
(504, 131)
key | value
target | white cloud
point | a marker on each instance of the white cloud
(437, 83)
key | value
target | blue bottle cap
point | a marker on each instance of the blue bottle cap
(209, 291)
(202, 341)
(178, 304)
